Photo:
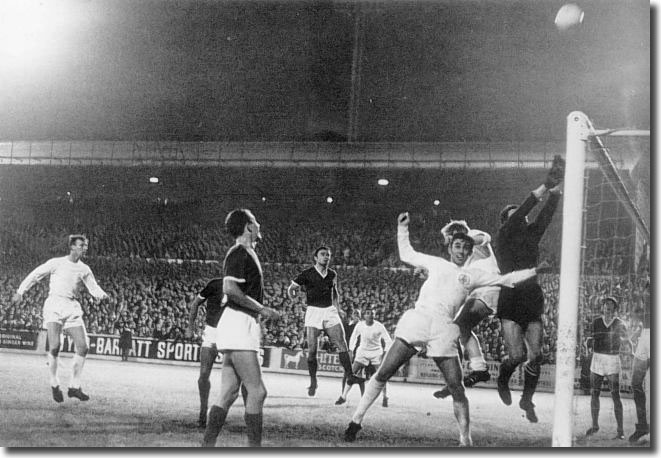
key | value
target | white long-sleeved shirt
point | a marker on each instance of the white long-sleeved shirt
(370, 336)
(66, 279)
(447, 284)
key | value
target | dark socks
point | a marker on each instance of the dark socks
(312, 369)
(254, 424)
(204, 386)
(215, 423)
(507, 368)
(530, 378)
(345, 360)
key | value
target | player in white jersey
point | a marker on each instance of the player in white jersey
(374, 342)
(481, 302)
(431, 324)
(62, 310)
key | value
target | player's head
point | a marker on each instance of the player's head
(609, 305)
(241, 222)
(78, 244)
(322, 255)
(368, 315)
(460, 248)
(453, 227)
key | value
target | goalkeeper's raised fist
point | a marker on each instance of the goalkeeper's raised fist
(556, 172)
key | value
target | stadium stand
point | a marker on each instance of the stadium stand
(152, 247)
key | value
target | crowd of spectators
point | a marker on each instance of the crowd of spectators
(147, 230)
(153, 254)
(151, 299)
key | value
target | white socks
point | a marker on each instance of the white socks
(52, 368)
(78, 363)
(372, 390)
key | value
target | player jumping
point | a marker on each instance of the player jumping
(481, 302)
(62, 309)
(520, 309)
(431, 323)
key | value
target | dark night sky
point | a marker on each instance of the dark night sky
(430, 70)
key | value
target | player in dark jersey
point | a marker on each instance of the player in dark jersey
(641, 366)
(238, 332)
(212, 295)
(520, 309)
(608, 333)
(322, 313)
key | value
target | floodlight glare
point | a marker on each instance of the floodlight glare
(383, 182)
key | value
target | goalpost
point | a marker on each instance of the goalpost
(585, 229)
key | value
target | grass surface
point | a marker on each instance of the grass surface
(149, 405)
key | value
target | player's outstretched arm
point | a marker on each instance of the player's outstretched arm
(406, 252)
(544, 268)
(33, 277)
(545, 215)
(510, 280)
(234, 293)
(556, 173)
(93, 287)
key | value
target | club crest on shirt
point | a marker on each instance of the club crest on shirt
(465, 280)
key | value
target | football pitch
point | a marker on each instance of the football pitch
(153, 405)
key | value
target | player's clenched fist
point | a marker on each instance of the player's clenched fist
(403, 219)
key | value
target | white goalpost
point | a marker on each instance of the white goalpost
(581, 135)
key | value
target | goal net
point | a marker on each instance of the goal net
(605, 245)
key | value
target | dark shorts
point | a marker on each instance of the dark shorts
(521, 305)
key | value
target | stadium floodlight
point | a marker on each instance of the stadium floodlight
(153, 180)
(35, 32)
(383, 182)
(437, 203)
(594, 216)
(329, 200)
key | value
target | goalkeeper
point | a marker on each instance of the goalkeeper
(520, 308)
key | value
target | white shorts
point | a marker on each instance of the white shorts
(237, 331)
(488, 295)
(643, 347)
(437, 334)
(64, 311)
(366, 358)
(321, 317)
(209, 336)
(603, 364)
